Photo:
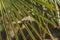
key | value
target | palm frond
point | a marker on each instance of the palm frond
(19, 15)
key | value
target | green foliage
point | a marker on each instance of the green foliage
(25, 12)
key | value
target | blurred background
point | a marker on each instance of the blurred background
(29, 19)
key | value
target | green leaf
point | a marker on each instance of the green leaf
(46, 4)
